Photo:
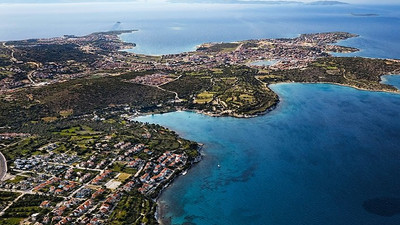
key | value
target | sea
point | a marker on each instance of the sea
(327, 154)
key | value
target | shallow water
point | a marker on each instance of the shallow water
(314, 160)
(263, 63)
(392, 80)
(172, 28)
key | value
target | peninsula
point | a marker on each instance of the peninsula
(74, 151)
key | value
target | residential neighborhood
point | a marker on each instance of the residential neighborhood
(87, 188)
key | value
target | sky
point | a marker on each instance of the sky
(364, 1)
(191, 1)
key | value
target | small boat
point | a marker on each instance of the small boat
(184, 173)
(219, 166)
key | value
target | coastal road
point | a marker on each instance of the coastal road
(3, 166)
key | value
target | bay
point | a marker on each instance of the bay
(166, 28)
(314, 160)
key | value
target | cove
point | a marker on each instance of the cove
(315, 159)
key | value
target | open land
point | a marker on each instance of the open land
(75, 154)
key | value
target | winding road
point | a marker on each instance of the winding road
(3, 166)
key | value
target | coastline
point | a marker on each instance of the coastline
(125, 49)
(162, 206)
(230, 23)
(172, 194)
(264, 108)
(347, 85)
(272, 107)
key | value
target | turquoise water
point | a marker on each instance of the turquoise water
(314, 160)
(215, 23)
(391, 79)
(264, 63)
(173, 28)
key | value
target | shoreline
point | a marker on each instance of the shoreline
(264, 108)
(349, 86)
(160, 207)
(272, 107)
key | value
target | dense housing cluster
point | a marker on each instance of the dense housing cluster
(84, 175)
(73, 151)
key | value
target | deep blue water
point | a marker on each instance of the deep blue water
(314, 160)
(173, 28)
(378, 35)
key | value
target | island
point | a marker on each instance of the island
(76, 155)
(364, 14)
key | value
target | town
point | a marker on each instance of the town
(84, 176)
(71, 57)
(71, 150)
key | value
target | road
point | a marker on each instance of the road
(177, 99)
(3, 166)
(30, 192)
(9, 205)
(16, 199)
(29, 75)
(13, 59)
